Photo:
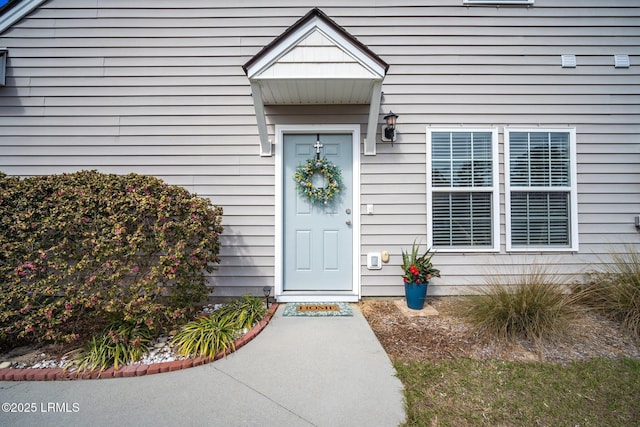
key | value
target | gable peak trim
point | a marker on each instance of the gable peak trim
(314, 20)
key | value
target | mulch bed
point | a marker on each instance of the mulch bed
(448, 336)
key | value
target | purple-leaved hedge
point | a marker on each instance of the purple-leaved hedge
(79, 251)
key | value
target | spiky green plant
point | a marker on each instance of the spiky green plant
(208, 335)
(248, 310)
(122, 344)
(535, 305)
(615, 290)
(418, 268)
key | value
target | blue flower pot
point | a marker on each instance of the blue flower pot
(416, 295)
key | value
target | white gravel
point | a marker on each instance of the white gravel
(160, 350)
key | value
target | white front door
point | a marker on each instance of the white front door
(318, 240)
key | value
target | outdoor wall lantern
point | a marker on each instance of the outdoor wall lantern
(389, 127)
(266, 291)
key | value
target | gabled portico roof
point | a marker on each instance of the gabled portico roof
(315, 61)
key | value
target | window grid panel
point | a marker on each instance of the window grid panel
(462, 159)
(539, 159)
(462, 219)
(539, 218)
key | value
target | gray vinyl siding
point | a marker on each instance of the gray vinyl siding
(156, 87)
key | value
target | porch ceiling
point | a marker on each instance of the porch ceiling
(316, 91)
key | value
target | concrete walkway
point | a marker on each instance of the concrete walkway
(300, 371)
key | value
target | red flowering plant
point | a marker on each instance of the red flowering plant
(418, 268)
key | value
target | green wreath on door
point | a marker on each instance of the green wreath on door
(332, 178)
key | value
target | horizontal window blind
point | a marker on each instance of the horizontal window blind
(462, 219)
(540, 159)
(462, 159)
(540, 219)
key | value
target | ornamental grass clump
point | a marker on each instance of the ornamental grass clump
(615, 291)
(217, 332)
(123, 343)
(248, 311)
(535, 306)
(208, 335)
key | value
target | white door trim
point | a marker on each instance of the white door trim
(329, 296)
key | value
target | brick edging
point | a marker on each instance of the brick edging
(51, 374)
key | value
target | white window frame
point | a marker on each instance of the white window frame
(571, 189)
(494, 190)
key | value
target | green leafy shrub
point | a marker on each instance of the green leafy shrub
(536, 307)
(78, 251)
(616, 290)
(122, 344)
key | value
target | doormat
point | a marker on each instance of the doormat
(317, 309)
